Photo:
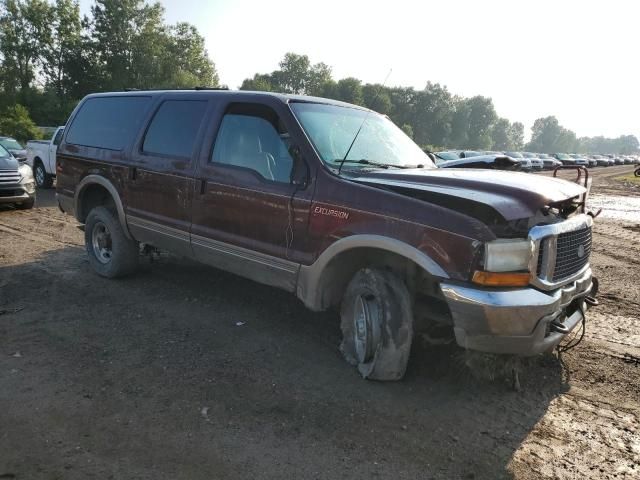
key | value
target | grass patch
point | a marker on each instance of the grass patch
(631, 178)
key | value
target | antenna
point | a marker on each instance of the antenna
(363, 122)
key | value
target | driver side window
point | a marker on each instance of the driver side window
(254, 138)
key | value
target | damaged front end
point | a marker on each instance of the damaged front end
(558, 284)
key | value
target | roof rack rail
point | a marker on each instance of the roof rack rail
(133, 89)
(211, 88)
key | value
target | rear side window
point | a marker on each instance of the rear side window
(108, 122)
(174, 128)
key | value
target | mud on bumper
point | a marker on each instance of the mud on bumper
(515, 321)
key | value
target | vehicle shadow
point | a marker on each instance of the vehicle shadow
(186, 371)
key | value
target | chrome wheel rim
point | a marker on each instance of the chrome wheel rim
(366, 322)
(101, 242)
(39, 175)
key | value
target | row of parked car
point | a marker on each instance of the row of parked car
(526, 161)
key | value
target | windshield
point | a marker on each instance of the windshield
(529, 155)
(447, 156)
(332, 129)
(3, 152)
(543, 155)
(10, 143)
(514, 154)
(564, 156)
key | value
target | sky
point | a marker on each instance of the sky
(577, 60)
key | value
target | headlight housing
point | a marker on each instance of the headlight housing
(506, 255)
(26, 174)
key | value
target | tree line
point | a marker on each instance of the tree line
(51, 56)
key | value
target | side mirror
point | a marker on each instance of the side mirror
(299, 170)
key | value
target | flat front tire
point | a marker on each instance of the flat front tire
(377, 324)
(111, 253)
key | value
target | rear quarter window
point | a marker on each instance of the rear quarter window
(174, 128)
(108, 122)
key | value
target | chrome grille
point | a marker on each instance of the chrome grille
(561, 251)
(572, 254)
(8, 177)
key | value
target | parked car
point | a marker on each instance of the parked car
(601, 161)
(548, 161)
(451, 159)
(41, 156)
(334, 203)
(582, 160)
(14, 148)
(525, 163)
(617, 160)
(17, 185)
(536, 163)
(567, 160)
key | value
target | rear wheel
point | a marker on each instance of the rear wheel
(43, 179)
(111, 253)
(377, 324)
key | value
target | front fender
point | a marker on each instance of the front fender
(312, 278)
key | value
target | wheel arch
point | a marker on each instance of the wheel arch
(320, 285)
(93, 191)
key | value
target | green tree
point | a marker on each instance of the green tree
(349, 90)
(16, 122)
(293, 74)
(64, 46)
(408, 130)
(259, 82)
(25, 36)
(548, 136)
(516, 136)
(376, 97)
(433, 114)
(501, 135)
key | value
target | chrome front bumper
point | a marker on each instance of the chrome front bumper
(515, 321)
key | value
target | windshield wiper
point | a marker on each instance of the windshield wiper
(364, 161)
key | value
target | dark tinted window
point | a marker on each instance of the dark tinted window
(256, 141)
(58, 137)
(174, 128)
(108, 122)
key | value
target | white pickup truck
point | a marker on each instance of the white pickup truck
(41, 156)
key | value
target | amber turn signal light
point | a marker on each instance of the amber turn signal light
(501, 279)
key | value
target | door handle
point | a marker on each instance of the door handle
(203, 186)
(133, 173)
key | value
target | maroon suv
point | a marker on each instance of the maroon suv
(334, 203)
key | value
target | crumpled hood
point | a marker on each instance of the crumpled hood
(513, 195)
(8, 163)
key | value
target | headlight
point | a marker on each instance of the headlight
(507, 255)
(26, 173)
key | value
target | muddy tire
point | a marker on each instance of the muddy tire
(111, 253)
(377, 324)
(26, 205)
(43, 179)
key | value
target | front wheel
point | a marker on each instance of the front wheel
(377, 324)
(111, 253)
(637, 172)
(43, 179)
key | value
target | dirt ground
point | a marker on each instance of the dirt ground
(185, 372)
